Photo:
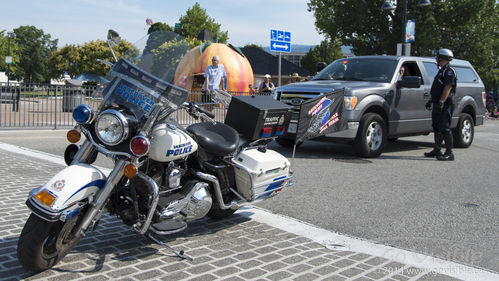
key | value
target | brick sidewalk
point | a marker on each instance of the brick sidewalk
(237, 248)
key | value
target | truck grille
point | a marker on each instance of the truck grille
(296, 99)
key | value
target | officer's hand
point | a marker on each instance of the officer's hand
(428, 105)
(440, 105)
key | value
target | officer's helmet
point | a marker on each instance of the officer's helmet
(445, 54)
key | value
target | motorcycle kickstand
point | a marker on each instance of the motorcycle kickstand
(177, 253)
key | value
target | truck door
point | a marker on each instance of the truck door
(407, 111)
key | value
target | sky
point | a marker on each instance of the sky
(80, 21)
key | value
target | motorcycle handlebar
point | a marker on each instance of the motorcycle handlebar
(207, 112)
(196, 110)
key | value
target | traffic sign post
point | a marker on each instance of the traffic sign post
(280, 41)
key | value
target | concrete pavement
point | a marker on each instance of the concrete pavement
(250, 245)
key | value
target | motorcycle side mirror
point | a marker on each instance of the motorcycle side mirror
(113, 37)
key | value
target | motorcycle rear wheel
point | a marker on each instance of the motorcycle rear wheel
(43, 244)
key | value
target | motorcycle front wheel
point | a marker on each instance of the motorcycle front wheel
(43, 244)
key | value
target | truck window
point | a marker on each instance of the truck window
(465, 74)
(373, 70)
(411, 69)
(431, 68)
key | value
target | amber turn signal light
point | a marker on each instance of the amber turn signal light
(130, 171)
(73, 136)
(45, 197)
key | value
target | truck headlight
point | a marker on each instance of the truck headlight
(111, 127)
(350, 102)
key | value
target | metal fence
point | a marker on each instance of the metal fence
(32, 106)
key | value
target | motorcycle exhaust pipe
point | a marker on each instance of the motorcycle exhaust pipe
(218, 191)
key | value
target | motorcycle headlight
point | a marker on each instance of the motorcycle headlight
(111, 127)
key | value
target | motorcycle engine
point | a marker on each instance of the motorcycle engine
(179, 195)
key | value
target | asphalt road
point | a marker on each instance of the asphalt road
(445, 209)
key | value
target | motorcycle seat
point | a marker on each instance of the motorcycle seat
(218, 139)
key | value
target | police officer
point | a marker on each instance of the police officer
(442, 91)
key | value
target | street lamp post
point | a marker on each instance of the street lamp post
(388, 6)
(10, 34)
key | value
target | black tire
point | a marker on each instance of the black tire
(43, 244)
(217, 213)
(289, 143)
(371, 136)
(464, 132)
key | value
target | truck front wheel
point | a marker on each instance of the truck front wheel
(371, 136)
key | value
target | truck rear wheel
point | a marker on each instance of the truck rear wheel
(371, 137)
(464, 132)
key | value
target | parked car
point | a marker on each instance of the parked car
(381, 105)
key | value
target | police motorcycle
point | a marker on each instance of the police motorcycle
(164, 175)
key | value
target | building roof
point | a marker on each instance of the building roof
(265, 63)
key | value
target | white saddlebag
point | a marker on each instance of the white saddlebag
(260, 174)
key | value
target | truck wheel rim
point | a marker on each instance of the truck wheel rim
(466, 131)
(374, 136)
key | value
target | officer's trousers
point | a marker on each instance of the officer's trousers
(441, 125)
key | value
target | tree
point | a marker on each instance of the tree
(75, 59)
(327, 52)
(35, 48)
(167, 56)
(254, 46)
(196, 19)
(158, 27)
(467, 27)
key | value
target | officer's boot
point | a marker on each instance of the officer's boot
(449, 142)
(438, 143)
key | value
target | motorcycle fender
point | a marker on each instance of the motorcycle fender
(70, 186)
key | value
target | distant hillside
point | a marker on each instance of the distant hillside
(296, 48)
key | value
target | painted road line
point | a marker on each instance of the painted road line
(325, 237)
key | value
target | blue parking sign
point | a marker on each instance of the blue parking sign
(280, 35)
(287, 36)
(273, 34)
(280, 41)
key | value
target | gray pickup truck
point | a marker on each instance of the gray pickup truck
(382, 105)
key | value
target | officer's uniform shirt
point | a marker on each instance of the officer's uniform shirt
(445, 76)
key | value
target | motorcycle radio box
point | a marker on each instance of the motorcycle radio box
(258, 117)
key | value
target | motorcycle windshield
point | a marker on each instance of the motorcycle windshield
(142, 79)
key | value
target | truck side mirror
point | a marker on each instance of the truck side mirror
(409, 82)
